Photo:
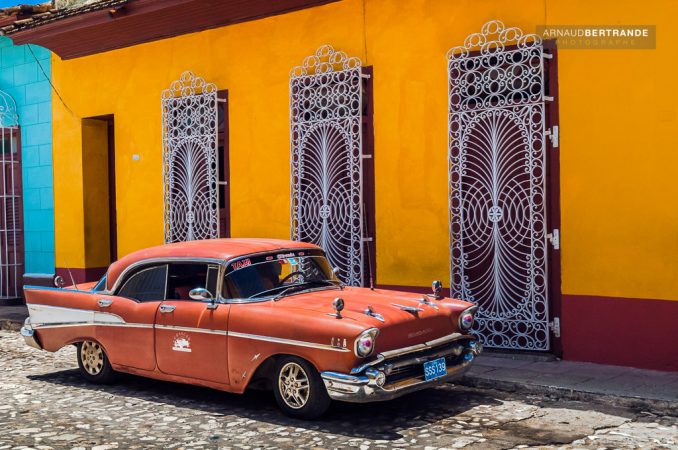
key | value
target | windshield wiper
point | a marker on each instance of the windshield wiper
(332, 283)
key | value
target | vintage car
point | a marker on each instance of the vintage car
(236, 313)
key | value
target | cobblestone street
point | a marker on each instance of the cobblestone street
(44, 404)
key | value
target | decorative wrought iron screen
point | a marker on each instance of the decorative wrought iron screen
(497, 174)
(11, 215)
(326, 136)
(189, 135)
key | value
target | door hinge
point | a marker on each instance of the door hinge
(554, 238)
(554, 325)
(366, 156)
(367, 239)
(554, 135)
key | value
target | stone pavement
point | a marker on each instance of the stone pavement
(12, 317)
(575, 380)
(44, 404)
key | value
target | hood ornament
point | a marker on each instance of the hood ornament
(338, 304)
(410, 309)
(370, 312)
(437, 288)
(427, 302)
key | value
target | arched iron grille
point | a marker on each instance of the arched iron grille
(497, 170)
(11, 232)
(189, 135)
(326, 136)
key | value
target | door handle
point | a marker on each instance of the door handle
(104, 303)
(167, 308)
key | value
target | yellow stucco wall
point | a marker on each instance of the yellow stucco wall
(618, 140)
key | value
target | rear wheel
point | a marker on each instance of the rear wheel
(94, 364)
(299, 390)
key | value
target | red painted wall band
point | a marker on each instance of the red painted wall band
(81, 275)
(620, 331)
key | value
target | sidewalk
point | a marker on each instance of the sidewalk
(12, 317)
(576, 380)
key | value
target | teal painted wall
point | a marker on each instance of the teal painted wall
(22, 75)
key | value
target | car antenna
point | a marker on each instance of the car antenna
(367, 242)
(72, 279)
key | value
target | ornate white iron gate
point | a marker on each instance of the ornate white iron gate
(326, 134)
(497, 184)
(189, 136)
(11, 232)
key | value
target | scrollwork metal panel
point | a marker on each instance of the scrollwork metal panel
(326, 137)
(497, 170)
(189, 130)
(11, 215)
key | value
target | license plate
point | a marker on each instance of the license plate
(435, 369)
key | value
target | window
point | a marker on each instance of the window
(101, 284)
(184, 277)
(146, 285)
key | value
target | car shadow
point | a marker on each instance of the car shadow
(375, 421)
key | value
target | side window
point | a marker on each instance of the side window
(146, 285)
(184, 277)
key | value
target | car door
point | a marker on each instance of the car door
(191, 335)
(125, 320)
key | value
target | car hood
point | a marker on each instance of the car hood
(399, 327)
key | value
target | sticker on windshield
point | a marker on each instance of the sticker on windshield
(285, 255)
(240, 264)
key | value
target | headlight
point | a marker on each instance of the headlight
(364, 343)
(466, 318)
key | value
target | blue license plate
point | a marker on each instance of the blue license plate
(435, 369)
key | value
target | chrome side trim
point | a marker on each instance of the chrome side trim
(191, 329)
(91, 324)
(287, 341)
(50, 288)
(84, 317)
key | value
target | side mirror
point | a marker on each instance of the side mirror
(202, 294)
(59, 281)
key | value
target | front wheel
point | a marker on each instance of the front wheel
(299, 390)
(94, 364)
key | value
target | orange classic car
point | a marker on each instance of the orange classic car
(259, 313)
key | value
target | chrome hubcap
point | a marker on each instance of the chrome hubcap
(293, 385)
(92, 357)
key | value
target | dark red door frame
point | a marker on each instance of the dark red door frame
(224, 169)
(112, 205)
(369, 203)
(553, 188)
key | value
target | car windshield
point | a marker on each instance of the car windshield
(274, 275)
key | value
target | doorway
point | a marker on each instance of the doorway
(99, 189)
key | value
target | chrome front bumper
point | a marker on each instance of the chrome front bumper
(29, 334)
(373, 383)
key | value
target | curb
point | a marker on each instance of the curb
(661, 407)
(10, 325)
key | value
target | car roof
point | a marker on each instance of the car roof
(221, 249)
